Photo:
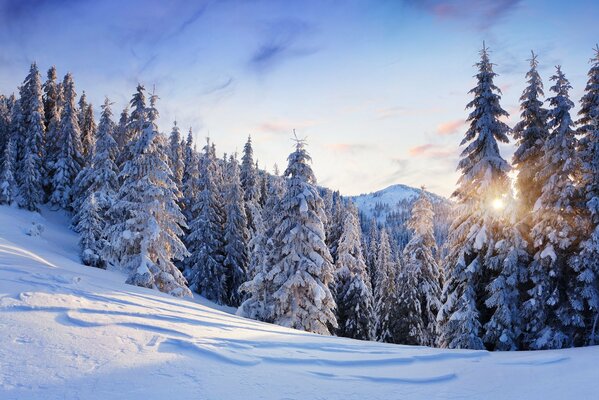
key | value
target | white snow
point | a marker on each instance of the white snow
(68, 331)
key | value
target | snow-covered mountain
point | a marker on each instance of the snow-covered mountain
(391, 208)
(68, 331)
(393, 198)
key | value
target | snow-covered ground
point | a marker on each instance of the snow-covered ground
(72, 332)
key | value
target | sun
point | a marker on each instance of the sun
(497, 204)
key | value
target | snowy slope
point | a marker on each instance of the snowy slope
(74, 332)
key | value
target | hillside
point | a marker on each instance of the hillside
(70, 331)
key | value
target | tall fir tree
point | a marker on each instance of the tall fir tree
(120, 134)
(204, 268)
(90, 227)
(144, 237)
(30, 167)
(236, 235)
(176, 156)
(355, 301)
(385, 293)
(587, 264)
(8, 190)
(419, 282)
(190, 177)
(100, 178)
(52, 108)
(510, 261)
(294, 291)
(70, 158)
(88, 133)
(530, 133)
(477, 226)
(553, 314)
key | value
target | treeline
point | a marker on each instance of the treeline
(522, 266)
(519, 268)
(184, 220)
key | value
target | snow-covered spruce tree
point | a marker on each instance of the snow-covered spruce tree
(88, 133)
(144, 237)
(100, 177)
(8, 189)
(371, 251)
(29, 169)
(553, 314)
(204, 268)
(294, 291)
(176, 156)
(4, 125)
(52, 99)
(385, 293)
(120, 133)
(419, 282)
(190, 178)
(248, 173)
(260, 244)
(355, 302)
(135, 124)
(236, 235)
(90, 227)
(587, 264)
(510, 261)
(530, 134)
(476, 227)
(69, 159)
(337, 220)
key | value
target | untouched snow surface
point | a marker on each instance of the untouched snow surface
(73, 332)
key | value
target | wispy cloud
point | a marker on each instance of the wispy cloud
(349, 148)
(431, 150)
(282, 126)
(482, 14)
(400, 171)
(282, 40)
(449, 127)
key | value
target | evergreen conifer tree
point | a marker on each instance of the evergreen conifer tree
(476, 227)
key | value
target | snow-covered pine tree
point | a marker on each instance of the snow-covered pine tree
(176, 156)
(587, 264)
(90, 227)
(419, 281)
(100, 177)
(236, 235)
(355, 302)
(88, 133)
(190, 178)
(8, 189)
(52, 98)
(294, 291)
(120, 134)
(248, 173)
(371, 251)
(510, 261)
(29, 169)
(385, 293)
(530, 134)
(553, 314)
(476, 228)
(70, 159)
(144, 237)
(135, 124)
(204, 268)
(4, 125)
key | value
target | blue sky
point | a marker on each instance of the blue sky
(377, 87)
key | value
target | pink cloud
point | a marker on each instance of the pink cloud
(348, 147)
(449, 127)
(284, 126)
(430, 150)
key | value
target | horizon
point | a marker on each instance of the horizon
(366, 84)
